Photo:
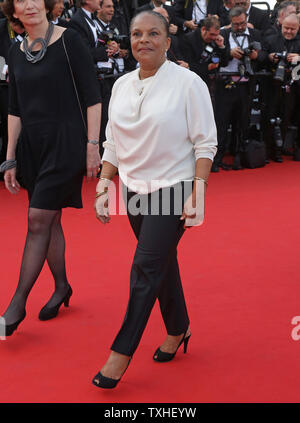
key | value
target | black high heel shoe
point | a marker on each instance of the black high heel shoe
(9, 329)
(162, 356)
(106, 382)
(48, 313)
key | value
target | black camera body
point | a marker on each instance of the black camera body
(103, 73)
(255, 45)
(209, 54)
(245, 68)
(282, 66)
(108, 36)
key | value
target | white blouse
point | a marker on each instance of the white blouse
(158, 127)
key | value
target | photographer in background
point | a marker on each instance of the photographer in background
(109, 58)
(233, 93)
(119, 58)
(85, 21)
(281, 53)
(204, 49)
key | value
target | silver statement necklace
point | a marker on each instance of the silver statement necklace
(33, 58)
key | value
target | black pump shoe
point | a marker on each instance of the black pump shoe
(162, 356)
(48, 313)
(106, 382)
(9, 329)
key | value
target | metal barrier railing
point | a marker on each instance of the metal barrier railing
(262, 3)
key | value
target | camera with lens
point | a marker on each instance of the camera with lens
(245, 67)
(108, 36)
(275, 124)
(282, 66)
(209, 54)
(103, 72)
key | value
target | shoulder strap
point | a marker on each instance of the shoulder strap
(63, 40)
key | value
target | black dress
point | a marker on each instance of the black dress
(51, 150)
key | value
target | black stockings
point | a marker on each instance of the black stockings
(45, 240)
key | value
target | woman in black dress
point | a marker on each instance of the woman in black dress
(48, 143)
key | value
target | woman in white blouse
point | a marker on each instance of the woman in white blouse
(161, 138)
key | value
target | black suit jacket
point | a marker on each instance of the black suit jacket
(124, 12)
(224, 16)
(79, 23)
(214, 7)
(6, 42)
(259, 19)
(62, 22)
(193, 49)
(175, 52)
(275, 29)
(183, 11)
(150, 6)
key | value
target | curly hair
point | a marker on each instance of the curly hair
(8, 9)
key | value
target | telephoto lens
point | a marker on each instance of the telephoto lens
(280, 70)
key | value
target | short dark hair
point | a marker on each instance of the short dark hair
(151, 13)
(80, 3)
(237, 11)
(211, 22)
(9, 10)
(285, 4)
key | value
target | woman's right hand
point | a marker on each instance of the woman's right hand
(101, 208)
(11, 182)
(101, 203)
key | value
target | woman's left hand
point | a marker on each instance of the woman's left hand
(92, 160)
(193, 210)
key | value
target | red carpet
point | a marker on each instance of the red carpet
(241, 278)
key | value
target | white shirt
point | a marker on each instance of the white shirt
(248, 12)
(199, 10)
(93, 27)
(158, 127)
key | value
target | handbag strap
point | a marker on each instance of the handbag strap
(63, 40)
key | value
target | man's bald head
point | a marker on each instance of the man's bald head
(291, 18)
(290, 26)
(163, 12)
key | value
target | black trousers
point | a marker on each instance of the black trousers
(282, 104)
(105, 88)
(231, 106)
(154, 274)
(3, 121)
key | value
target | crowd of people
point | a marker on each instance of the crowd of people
(247, 56)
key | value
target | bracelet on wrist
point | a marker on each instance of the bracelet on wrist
(98, 194)
(104, 179)
(201, 179)
(8, 164)
(94, 142)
